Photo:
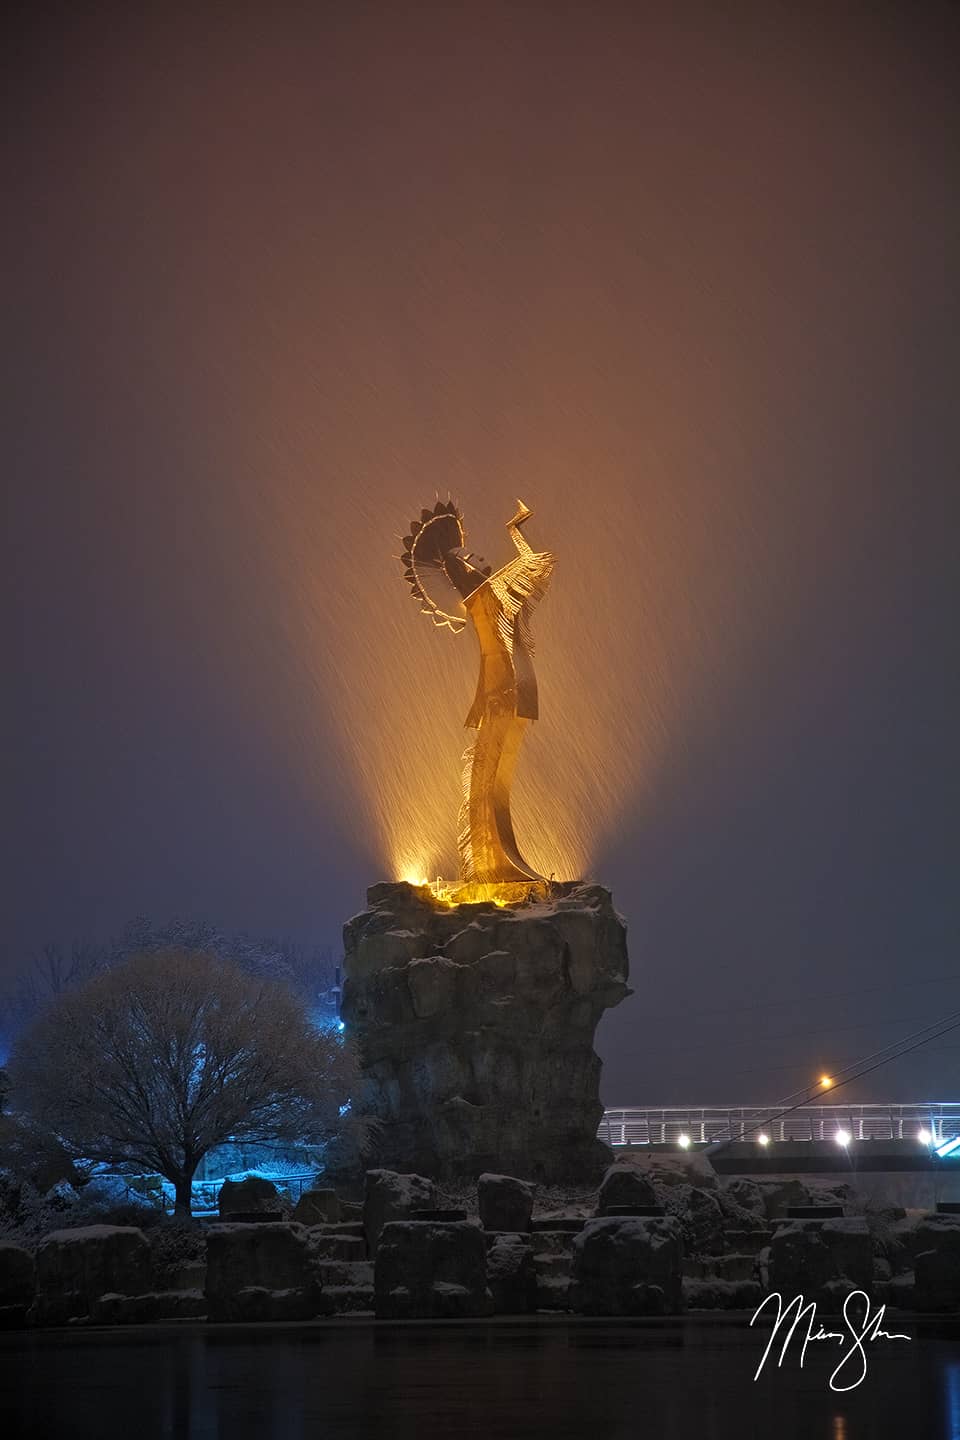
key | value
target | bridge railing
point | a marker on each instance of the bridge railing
(659, 1125)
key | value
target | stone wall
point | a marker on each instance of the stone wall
(476, 1025)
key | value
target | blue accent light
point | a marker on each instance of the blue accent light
(949, 1147)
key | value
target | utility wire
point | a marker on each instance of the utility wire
(857, 1075)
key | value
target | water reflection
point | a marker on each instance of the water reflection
(952, 1385)
(506, 1381)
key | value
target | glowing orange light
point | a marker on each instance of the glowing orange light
(825, 1082)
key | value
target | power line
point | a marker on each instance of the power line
(858, 1072)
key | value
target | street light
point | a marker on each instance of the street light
(684, 1142)
(924, 1136)
(825, 1082)
(763, 1139)
(843, 1137)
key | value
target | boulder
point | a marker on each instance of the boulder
(318, 1207)
(665, 1169)
(780, 1194)
(505, 1203)
(937, 1263)
(475, 1026)
(627, 1265)
(76, 1267)
(625, 1185)
(17, 1273)
(428, 1270)
(701, 1217)
(251, 1196)
(17, 1285)
(261, 1272)
(746, 1194)
(511, 1274)
(390, 1196)
(823, 1260)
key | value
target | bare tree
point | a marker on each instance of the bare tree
(173, 1052)
(41, 976)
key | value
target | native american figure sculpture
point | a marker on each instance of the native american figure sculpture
(437, 564)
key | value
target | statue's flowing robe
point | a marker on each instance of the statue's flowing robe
(505, 702)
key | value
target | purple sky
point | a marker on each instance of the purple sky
(687, 285)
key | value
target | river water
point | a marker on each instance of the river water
(603, 1380)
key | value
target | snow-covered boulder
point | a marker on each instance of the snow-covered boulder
(390, 1196)
(76, 1267)
(625, 1185)
(822, 1260)
(17, 1285)
(431, 1270)
(627, 1265)
(318, 1207)
(251, 1196)
(511, 1273)
(505, 1203)
(936, 1262)
(261, 1272)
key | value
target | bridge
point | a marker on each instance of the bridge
(931, 1124)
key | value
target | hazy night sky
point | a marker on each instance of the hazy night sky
(684, 281)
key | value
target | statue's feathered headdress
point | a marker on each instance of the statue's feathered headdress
(440, 572)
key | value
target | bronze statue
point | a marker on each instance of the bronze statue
(500, 605)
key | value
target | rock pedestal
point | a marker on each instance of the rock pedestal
(626, 1265)
(428, 1271)
(76, 1269)
(475, 1024)
(17, 1285)
(261, 1272)
(824, 1260)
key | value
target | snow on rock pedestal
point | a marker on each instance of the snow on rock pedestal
(389, 1196)
(476, 1023)
(318, 1207)
(17, 1285)
(625, 1265)
(76, 1269)
(511, 1273)
(431, 1271)
(505, 1203)
(261, 1272)
(625, 1185)
(252, 1196)
(822, 1259)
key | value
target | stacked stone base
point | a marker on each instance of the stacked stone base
(711, 1248)
(475, 1024)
